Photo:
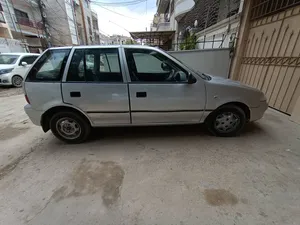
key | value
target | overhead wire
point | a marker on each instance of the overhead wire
(118, 4)
(120, 14)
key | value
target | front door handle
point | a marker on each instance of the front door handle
(141, 94)
(75, 94)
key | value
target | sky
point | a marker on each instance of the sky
(136, 17)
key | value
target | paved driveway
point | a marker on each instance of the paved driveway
(157, 175)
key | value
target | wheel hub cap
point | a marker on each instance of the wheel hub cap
(68, 128)
(227, 122)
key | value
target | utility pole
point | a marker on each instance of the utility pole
(44, 20)
(83, 22)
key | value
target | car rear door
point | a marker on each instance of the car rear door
(96, 84)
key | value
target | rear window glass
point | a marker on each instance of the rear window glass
(50, 66)
(95, 65)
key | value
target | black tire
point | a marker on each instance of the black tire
(212, 121)
(16, 81)
(81, 122)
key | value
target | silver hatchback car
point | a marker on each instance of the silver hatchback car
(72, 89)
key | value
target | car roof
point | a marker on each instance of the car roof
(19, 53)
(106, 46)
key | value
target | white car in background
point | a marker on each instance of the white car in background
(14, 66)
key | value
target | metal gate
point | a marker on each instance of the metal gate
(271, 61)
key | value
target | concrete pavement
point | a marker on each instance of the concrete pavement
(149, 175)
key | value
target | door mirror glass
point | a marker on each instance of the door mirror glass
(181, 77)
(165, 67)
(191, 79)
(24, 63)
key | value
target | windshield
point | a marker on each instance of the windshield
(8, 59)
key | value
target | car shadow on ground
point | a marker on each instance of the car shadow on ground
(198, 131)
(148, 132)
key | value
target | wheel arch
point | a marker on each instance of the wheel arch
(46, 116)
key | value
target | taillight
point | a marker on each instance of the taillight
(27, 100)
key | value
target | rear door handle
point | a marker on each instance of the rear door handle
(75, 94)
(141, 94)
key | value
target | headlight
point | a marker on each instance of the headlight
(3, 71)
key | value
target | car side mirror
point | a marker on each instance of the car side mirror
(165, 67)
(24, 63)
(191, 79)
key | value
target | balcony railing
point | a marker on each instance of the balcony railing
(27, 22)
(164, 26)
(2, 19)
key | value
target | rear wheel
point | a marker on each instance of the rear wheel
(16, 81)
(70, 127)
(227, 121)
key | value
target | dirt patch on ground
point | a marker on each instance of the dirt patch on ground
(11, 132)
(218, 197)
(92, 177)
(10, 91)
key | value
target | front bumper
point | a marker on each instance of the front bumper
(34, 115)
(258, 112)
(5, 79)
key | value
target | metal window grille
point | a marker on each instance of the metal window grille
(261, 8)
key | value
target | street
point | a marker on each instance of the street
(148, 175)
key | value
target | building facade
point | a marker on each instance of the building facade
(22, 21)
(212, 23)
(71, 22)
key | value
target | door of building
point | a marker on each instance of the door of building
(271, 60)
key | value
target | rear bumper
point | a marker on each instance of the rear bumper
(258, 112)
(34, 115)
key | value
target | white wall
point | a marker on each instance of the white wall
(211, 61)
(10, 45)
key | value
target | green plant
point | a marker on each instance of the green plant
(189, 43)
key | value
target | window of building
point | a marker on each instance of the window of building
(172, 7)
(28, 59)
(90, 26)
(95, 65)
(86, 3)
(50, 66)
(151, 66)
(21, 14)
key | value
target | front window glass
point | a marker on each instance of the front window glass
(151, 66)
(8, 59)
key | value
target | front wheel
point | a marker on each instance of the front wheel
(227, 121)
(70, 127)
(17, 81)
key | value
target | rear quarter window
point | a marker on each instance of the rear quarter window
(49, 67)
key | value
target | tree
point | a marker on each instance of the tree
(130, 42)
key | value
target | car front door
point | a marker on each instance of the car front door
(96, 84)
(22, 69)
(159, 89)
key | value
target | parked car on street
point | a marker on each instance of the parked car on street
(72, 89)
(14, 66)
